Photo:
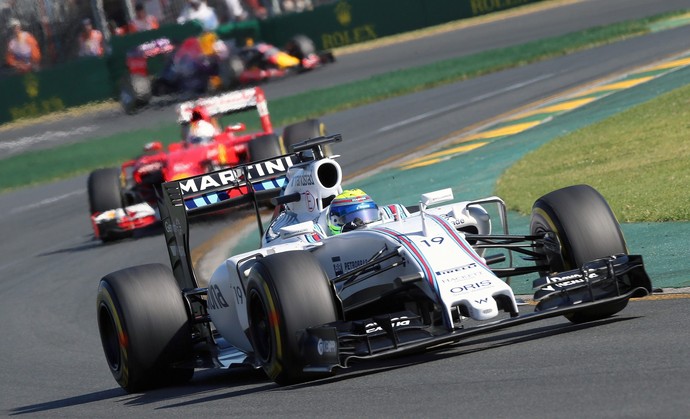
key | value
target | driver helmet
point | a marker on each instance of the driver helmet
(351, 209)
(198, 113)
(201, 132)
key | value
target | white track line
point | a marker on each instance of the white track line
(14, 146)
(46, 201)
(462, 104)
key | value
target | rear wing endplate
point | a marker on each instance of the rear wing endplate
(213, 192)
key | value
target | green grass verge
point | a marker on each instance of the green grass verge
(69, 160)
(637, 159)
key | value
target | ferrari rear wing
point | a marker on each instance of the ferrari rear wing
(249, 183)
(228, 103)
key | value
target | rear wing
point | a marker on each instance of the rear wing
(249, 183)
(227, 103)
(212, 192)
(155, 47)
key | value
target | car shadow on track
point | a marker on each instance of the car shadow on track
(83, 399)
(90, 242)
(211, 385)
(208, 386)
(204, 381)
(366, 368)
(469, 346)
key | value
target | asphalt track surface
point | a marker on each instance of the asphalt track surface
(632, 365)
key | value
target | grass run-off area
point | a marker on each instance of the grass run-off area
(639, 160)
(40, 166)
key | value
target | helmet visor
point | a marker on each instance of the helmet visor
(365, 215)
(198, 140)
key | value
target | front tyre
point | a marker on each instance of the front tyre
(587, 230)
(287, 293)
(104, 190)
(144, 328)
(105, 193)
(302, 131)
(135, 92)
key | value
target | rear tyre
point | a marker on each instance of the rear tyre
(286, 293)
(587, 230)
(305, 130)
(144, 328)
(264, 147)
(300, 46)
(135, 92)
(230, 71)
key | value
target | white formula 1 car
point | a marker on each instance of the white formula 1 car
(307, 303)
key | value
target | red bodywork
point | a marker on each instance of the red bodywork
(137, 59)
(142, 175)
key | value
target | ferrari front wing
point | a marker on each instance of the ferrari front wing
(121, 222)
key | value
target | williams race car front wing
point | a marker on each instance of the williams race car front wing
(598, 284)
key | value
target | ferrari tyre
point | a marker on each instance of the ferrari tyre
(587, 230)
(286, 293)
(105, 193)
(264, 147)
(104, 190)
(135, 92)
(300, 46)
(230, 71)
(144, 327)
(304, 130)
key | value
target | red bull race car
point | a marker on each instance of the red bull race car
(123, 200)
(204, 64)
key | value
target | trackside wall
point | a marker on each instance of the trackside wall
(76, 83)
(66, 85)
(349, 22)
(334, 25)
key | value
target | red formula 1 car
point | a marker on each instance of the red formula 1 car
(124, 200)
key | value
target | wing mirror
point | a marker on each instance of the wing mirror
(153, 146)
(436, 197)
(236, 127)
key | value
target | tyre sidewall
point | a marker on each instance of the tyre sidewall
(587, 230)
(135, 92)
(230, 71)
(296, 294)
(151, 322)
(302, 131)
(265, 147)
(104, 190)
(300, 46)
(584, 223)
